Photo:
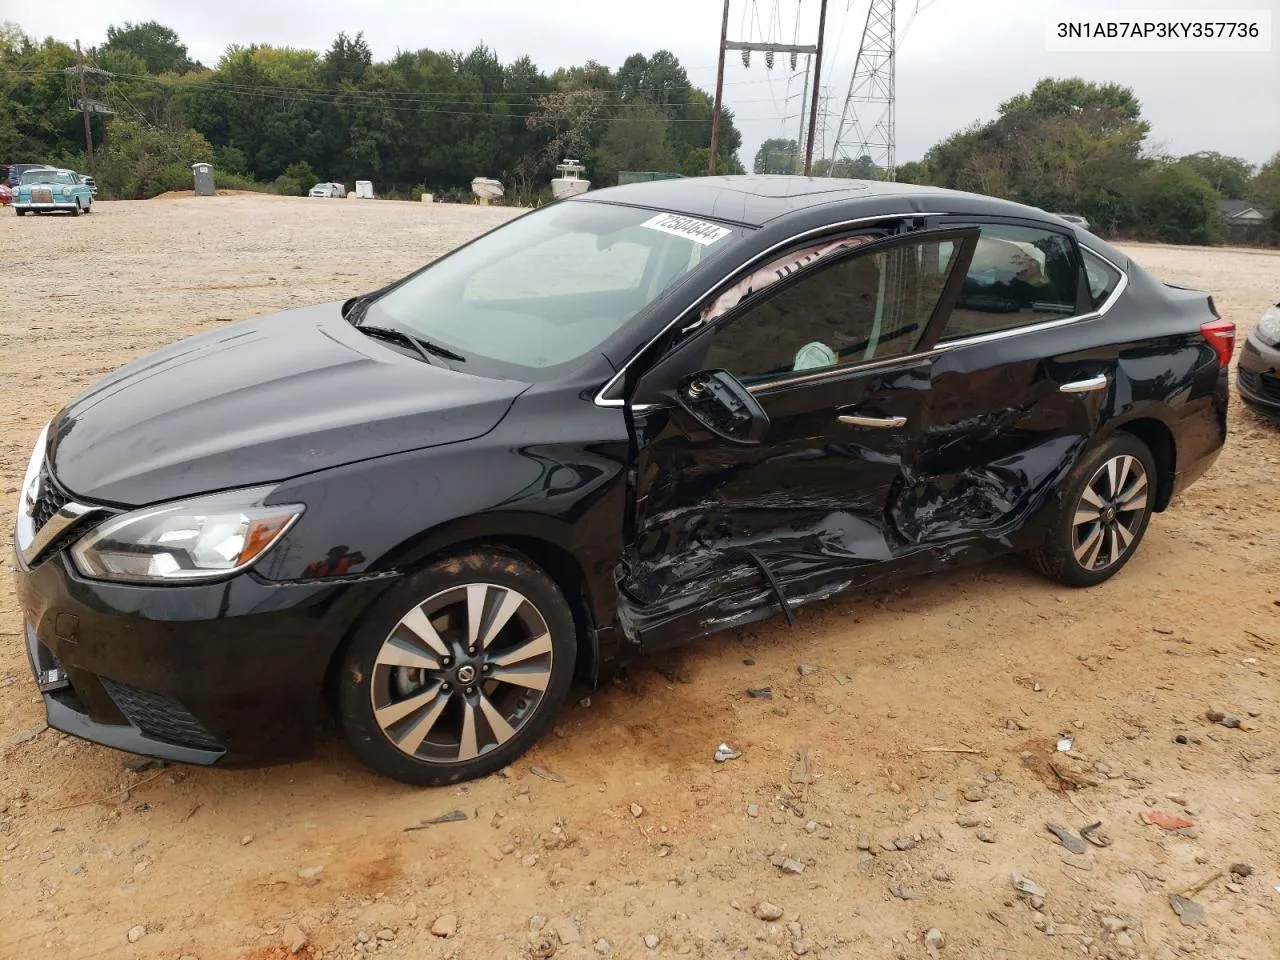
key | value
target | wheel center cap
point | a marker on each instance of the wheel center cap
(466, 673)
(1109, 515)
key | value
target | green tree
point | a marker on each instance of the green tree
(777, 156)
(696, 161)
(913, 171)
(156, 45)
(1179, 206)
(1230, 176)
(1264, 189)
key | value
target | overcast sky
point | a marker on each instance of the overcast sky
(958, 60)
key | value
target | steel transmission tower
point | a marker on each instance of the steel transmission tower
(866, 125)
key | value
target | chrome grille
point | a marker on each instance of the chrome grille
(41, 195)
(49, 500)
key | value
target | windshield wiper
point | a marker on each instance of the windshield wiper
(423, 347)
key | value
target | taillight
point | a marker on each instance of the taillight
(1221, 335)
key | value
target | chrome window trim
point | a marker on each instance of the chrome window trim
(599, 399)
(842, 370)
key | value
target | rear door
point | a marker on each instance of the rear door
(1020, 387)
(724, 530)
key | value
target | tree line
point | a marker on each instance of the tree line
(288, 117)
(281, 118)
(1069, 146)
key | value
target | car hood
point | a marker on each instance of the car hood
(261, 401)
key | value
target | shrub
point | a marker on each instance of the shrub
(286, 186)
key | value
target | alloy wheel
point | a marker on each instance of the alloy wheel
(1110, 513)
(461, 673)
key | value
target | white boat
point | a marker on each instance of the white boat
(568, 184)
(486, 188)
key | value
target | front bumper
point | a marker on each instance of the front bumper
(1258, 376)
(56, 205)
(229, 673)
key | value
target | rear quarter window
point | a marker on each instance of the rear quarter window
(1103, 278)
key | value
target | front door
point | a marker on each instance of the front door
(834, 362)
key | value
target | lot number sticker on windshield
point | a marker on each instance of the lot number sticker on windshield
(699, 231)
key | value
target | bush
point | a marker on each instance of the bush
(302, 172)
(416, 193)
(226, 180)
(1179, 206)
(286, 186)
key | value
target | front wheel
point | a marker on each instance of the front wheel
(1103, 512)
(459, 670)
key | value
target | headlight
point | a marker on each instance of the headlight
(1268, 328)
(66, 191)
(202, 539)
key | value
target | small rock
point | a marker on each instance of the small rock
(795, 929)
(807, 669)
(143, 764)
(975, 792)
(864, 841)
(904, 843)
(865, 862)
(787, 864)
(1189, 912)
(1177, 798)
(362, 937)
(310, 876)
(811, 826)
(529, 860)
(445, 926)
(565, 930)
(800, 948)
(246, 839)
(942, 875)
(1037, 903)
(386, 934)
(753, 809)
(1234, 887)
(986, 836)
(651, 940)
(1124, 941)
(905, 893)
(136, 933)
(636, 809)
(1242, 869)
(764, 910)
(293, 937)
(1113, 925)
(1027, 886)
(537, 922)
(602, 946)
(968, 820)
(934, 941)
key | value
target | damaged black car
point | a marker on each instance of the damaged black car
(617, 423)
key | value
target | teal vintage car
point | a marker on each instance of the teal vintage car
(50, 188)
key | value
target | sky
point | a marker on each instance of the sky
(956, 63)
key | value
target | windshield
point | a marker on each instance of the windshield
(46, 176)
(550, 286)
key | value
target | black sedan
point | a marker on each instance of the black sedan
(1258, 373)
(623, 421)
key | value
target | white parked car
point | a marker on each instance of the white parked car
(328, 190)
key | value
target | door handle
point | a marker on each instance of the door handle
(1085, 386)
(855, 420)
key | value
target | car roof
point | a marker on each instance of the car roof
(757, 199)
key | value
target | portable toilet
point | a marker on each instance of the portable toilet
(203, 173)
(364, 189)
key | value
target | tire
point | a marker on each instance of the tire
(1071, 554)
(79, 210)
(418, 716)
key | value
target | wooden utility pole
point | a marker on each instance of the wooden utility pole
(84, 112)
(715, 117)
(817, 81)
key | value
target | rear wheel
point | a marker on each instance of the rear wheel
(459, 670)
(1102, 515)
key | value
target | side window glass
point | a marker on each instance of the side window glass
(1018, 276)
(871, 306)
(1102, 277)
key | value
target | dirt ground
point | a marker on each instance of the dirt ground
(928, 713)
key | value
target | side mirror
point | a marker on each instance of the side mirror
(719, 401)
